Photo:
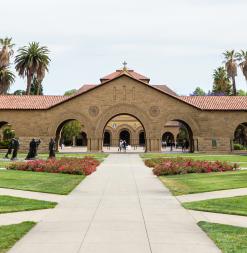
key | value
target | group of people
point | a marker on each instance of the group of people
(122, 145)
(33, 149)
(173, 144)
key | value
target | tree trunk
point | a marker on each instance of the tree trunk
(38, 87)
(29, 82)
(234, 86)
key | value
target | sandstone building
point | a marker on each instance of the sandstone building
(125, 95)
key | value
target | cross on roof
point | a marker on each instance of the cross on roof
(125, 65)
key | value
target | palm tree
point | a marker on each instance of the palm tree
(32, 61)
(231, 68)
(6, 51)
(222, 84)
(242, 57)
(6, 79)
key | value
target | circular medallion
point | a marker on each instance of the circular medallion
(93, 110)
(154, 111)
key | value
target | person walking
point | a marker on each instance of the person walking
(120, 145)
(124, 145)
(10, 147)
(16, 145)
(52, 148)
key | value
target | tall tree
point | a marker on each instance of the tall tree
(6, 79)
(36, 87)
(198, 92)
(242, 58)
(32, 61)
(231, 68)
(6, 51)
(222, 84)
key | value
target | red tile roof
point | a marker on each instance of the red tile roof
(211, 103)
(29, 102)
(214, 103)
(129, 72)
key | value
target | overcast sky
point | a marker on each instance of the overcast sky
(174, 42)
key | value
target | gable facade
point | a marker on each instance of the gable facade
(95, 107)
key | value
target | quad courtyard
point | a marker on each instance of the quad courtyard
(124, 207)
(146, 170)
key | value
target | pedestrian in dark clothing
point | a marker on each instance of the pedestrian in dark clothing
(10, 147)
(16, 145)
(52, 149)
(33, 146)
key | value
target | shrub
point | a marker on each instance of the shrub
(75, 166)
(175, 166)
(238, 147)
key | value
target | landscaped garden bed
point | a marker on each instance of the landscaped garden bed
(179, 165)
(84, 166)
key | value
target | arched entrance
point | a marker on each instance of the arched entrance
(167, 139)
(123, 127)
(107, 139)
(125, 136)
(70, 137)
(142, 138)
(183, 142)
(240, 137)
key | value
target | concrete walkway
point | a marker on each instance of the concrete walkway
(213, 195)
(121, 208)
(32, 195)
(228, 219)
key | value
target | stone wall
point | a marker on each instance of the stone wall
(95, 108)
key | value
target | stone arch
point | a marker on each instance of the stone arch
(122, 109)
(190, 124)
(128, 128)
(185, 119)
(63, 118)
(168, 135)
(107, 139)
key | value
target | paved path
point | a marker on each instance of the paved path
(234, 220)
(121, 208)
(213, 195)
(18, 217)
(32, 195)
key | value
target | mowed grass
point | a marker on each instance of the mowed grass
(232, 205)
(9, 204)
(240, 159)
(195, 183)
(39, 182)
(229, 239)
(10, 234)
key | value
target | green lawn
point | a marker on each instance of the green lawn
(39, 182)
(9, 204)
(194, 183)
(10, 234)
(233, 205)
(229, 239)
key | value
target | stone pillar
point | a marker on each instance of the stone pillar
(94, 145)
(153, 145)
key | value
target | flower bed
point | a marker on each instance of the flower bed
(76, 166)
(165, 166)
